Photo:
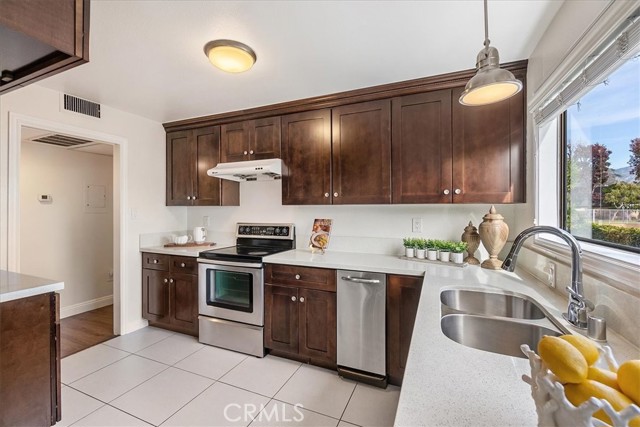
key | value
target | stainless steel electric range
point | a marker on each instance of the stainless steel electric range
(231, 287)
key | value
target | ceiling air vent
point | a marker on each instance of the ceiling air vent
(61, 140)
(82, 106)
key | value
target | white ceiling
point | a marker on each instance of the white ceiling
(146, 56)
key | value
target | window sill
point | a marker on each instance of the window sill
(617, 268)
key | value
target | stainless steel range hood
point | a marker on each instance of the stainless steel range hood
(251, 170)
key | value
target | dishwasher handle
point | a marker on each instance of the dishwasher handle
(357, 280)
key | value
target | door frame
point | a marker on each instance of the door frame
(120, 197)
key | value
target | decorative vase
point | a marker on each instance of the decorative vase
(493, 234)
(472, 239)
(457, 257)
(444, 256)
(432, 254)
(420, 253)
(408, 252)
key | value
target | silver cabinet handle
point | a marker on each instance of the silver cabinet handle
(170, 280)
(457, 191)
(326, 194)
(193, 197)
(358, 280)
(245, 153)
(297, 277)
(182, 264)
(155, 261)
(301, 299)
(188, 197)
(293, 299)
(250, 151)
(335, 194)
(445, 192)
(166, 280)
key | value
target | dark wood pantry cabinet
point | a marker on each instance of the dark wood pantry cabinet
(190, 154)
(403, 295)
(300, 313)
(250, 140)
(41, 38)
(170, 292)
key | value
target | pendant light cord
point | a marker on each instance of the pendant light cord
(486, 25)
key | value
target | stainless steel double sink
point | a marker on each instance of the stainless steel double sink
(494, 320)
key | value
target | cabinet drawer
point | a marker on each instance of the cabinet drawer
(184, 264)
(155, 261)
(303, 277)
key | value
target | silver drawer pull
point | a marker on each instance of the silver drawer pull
(297, 277)
(155, 261)
(357, 280)
(182, 264)
(457, 191)
(250, 151)
(301, 299)
(446, 192)
(166, 280)
(170, 280)
(293, 299)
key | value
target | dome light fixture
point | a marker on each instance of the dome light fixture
(491, 83)
(230, 56)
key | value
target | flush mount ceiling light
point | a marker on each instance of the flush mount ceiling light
(491, 83)
(230, 56)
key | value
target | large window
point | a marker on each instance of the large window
(601, 153)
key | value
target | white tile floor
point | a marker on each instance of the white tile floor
(156, 377)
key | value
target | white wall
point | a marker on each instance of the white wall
(63, 239)
(144, 151)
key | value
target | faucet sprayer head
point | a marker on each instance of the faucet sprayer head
(508, 265)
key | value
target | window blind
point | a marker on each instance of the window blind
(622, 46)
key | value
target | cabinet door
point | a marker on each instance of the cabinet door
(207, 147)
(264, 138)
(422, 148)
(155, 295)
(180, 168)
(489, 151)
(361, 165)
(281, 318)
(184, 302)
(317, 325)
(403, 295)
(235, 142)
(306, 156)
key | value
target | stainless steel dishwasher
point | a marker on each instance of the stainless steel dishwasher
(361, 344)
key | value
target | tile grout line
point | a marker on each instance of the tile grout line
(93, 372)
(347, 405)
(134, 352)
(194, 397)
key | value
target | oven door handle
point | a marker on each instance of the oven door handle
(230, 264)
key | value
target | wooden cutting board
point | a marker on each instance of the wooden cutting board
(188, 245)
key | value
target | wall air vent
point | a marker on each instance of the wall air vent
(61, 140)
(82, 106)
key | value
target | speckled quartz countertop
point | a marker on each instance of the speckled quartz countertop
(15, 286)
(446, 383)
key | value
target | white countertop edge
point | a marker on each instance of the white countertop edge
(192, 251)
(38, 290)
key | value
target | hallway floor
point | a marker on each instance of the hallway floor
(157, 377)
(85, 330)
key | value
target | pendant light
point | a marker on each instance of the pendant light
(230, 56)
(491, 83)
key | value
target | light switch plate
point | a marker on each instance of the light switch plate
(416, 225)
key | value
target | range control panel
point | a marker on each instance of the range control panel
(266, 231)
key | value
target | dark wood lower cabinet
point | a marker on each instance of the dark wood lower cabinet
(30, 361)
(403, 295)
(170, 295)
(301, 323)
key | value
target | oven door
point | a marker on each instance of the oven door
(231, 291)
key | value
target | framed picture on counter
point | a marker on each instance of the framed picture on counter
(320, 234)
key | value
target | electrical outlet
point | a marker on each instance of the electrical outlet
(205, 221)
(550, 270)
(416, 225)
(110, 279)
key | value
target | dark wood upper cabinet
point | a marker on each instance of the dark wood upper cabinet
(361, 160)
(306, 157)
(40, 38)
(251, 140)
(422, 148)
(190, 154)
(489, 151)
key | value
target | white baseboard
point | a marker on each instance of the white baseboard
(81, 307)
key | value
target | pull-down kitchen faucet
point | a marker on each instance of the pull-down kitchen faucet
(578, 305)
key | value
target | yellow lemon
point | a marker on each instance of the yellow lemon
(603, 376)
(629, 379)
(588, 348)
(563, 359)
(579, 393)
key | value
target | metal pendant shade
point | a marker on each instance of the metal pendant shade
(491, 83)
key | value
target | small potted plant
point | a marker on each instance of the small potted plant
(408, 247)
(457, 252)
(445, 251)
(432, 249)
(421, 246)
